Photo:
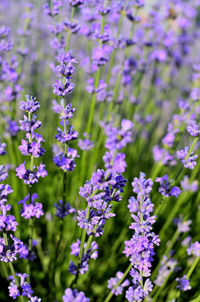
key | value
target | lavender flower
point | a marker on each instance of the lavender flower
(25, 287)
(194, 249)
(112, 282)
(34, 209)
(118, 138)
(85, 144)
(187, 186)
(140, 248)
(91, 253)
(74, 295)
(99, 192)
(63, 210)
(183, 283)
(65, 158)
(2, 148)
(193, 128)
(195, 94)
(165, 187)
(31, 145)
(190, 161)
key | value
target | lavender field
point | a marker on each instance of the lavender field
(99, 150)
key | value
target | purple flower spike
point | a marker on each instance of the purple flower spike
(183, 283)
(140, 248)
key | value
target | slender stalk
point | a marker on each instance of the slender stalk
(69, 33)
(192, 267)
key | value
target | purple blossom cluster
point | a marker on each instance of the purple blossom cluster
(86, 143)
(193, 128)
(103, 188)
(166, 189)
(31, 145)
(25, 287)
(34, 209)
(10, 247)
(66, 158)
(194, 249)
(140, 248)
(88, 254)
(188, 160)
(112, 284)
(63, 210)
(72, 295)
(183, 283)
(10, 88)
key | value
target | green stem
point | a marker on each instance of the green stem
(69, 33)
(192, 267)
(92, 107)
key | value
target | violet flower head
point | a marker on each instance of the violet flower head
(72, 295)
(182, 226)
(24, 288)
(66, 161)
(141, 185)
(195, 94)
(63, 210)
(9, 253)
(75, 3)
(100, 191)
(187, 161)
(91, 253)
(2, 148)
(194, 249)
(165, 187)
(193, 128)
(3, 172)
(65, 157)
(118, 138)
(189, 186)
(85, 144)
(30, 105)
(183, 283)
(35, 299)
(33, 209)
(115, 162)
(31, 145)
(112, 282)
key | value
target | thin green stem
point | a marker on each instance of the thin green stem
(69, 33)
(192, 267)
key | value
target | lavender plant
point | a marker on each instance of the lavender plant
(118, 84)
